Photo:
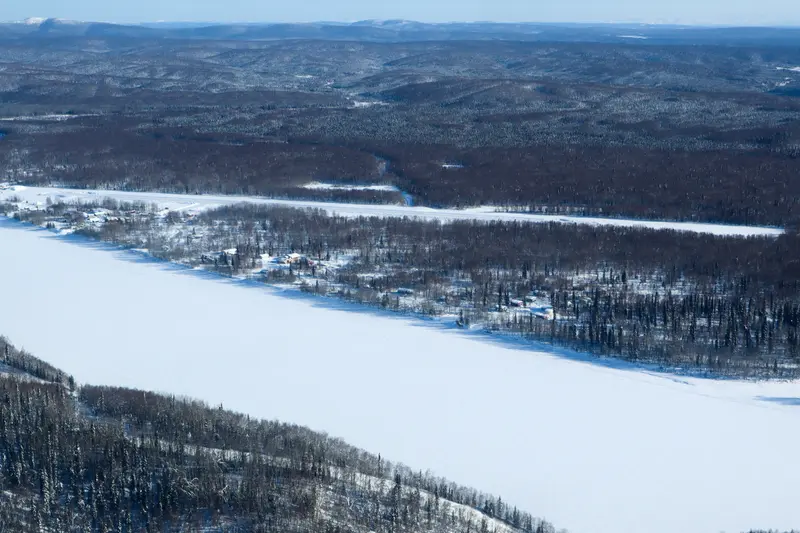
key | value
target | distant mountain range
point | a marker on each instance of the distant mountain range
(408, 31)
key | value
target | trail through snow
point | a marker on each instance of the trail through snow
(198, 202)
(594, 449)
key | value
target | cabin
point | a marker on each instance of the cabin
(291, 259)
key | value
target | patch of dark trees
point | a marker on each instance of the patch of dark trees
(729, 186)
(22, 361)
(171, 162)
(110, 459)
(755, 186)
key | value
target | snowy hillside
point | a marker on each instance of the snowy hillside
(596, 448)
(217, 471)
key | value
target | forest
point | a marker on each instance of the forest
(686, 302)
(99, 459)
(670, 130)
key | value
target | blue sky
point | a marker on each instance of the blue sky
(738, 12)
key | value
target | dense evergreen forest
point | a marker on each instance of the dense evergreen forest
(684, 301)
(729, 186)
(102, 459)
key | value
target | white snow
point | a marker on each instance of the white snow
(34, 21)
(358, 104)
(57, 118)
(194, 203)
(317, 185)
(596, 448)
(790, 69)
(631, 36)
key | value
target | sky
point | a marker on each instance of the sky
(727, 12)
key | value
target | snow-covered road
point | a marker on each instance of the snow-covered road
(595, 449)
(194, 202)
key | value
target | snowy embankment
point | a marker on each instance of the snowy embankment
(592, 448)
(44, 118)
(321, 186)
(190, 203)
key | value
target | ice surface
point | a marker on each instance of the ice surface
(195, 203)
(594, 448)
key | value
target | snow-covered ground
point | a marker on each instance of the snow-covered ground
(57, 118)
(358, 104)
(321, 186)
(594, 448)
(196, 203)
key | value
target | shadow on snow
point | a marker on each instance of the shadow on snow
(791, 402)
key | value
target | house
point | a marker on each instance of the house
(291, 259)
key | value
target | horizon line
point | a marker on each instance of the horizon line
(707, 25)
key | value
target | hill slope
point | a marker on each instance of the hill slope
(110, 459)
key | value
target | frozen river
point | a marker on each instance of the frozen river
(593, 448)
